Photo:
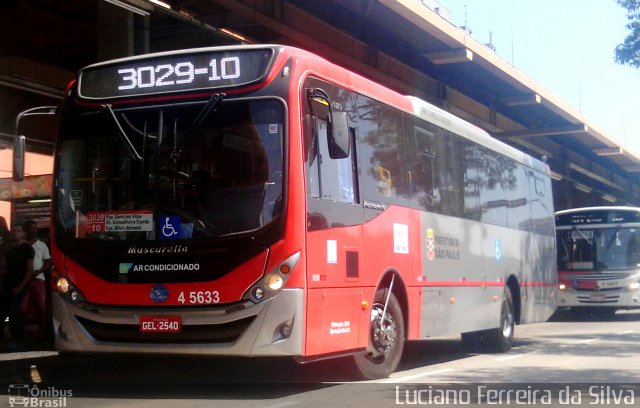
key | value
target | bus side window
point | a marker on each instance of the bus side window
(493, 188)
(384, 181)
(382, 153)
(422, 164)
(337, 177)
(313, 156)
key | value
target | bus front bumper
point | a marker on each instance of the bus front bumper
(271, 328)
(623, 298)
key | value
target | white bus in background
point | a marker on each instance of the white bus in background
(598, 258)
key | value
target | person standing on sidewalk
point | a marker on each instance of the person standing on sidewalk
(4, 286)
(19, 257)
(36, 298)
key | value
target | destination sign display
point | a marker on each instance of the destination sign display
(179, 72)
(598, 217)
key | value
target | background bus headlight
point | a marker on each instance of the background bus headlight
(562, 286)
(634, 286)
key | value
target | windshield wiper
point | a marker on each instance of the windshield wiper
(211, 105)
(583, 235)
(613, 237)
(123, 135)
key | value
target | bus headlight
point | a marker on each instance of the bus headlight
(562, 286)
(273, 281)
(258, 293)
(634, 286)
(63, 286)
(68, 291)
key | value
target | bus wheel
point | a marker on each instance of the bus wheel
(386, 339)
(501, 339)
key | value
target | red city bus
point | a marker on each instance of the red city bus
(261, 201)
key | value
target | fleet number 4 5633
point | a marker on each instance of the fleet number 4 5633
(199, 297)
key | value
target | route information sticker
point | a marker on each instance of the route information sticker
(119, 221)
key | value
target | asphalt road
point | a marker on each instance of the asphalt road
(566, 357)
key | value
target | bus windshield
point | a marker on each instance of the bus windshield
(172, 172)
(599, 249)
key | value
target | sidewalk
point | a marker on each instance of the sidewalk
(33, 347)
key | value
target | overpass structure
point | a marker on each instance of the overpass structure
(405, 44)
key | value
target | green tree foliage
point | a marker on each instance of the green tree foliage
(629, 51)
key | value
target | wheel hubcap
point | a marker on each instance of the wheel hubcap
(507, 321)
(383, 331)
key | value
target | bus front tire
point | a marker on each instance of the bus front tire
(386, 339)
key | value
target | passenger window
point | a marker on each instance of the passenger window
(336, 176)
(421, 173)
(382, 153)
(492, 188)
(472, 161)
(434, 159)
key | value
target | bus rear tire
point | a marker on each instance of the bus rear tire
(501, 339)
(498, 340)
(386, 340)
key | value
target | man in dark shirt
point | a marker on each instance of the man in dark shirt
(18, 256)
(4, 288)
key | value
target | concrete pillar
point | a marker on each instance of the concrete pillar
(121, 33)
(141, 29)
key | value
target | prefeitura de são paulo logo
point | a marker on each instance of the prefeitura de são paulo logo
(431, 245)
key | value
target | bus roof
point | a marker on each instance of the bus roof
(448, 121)
(417, 107)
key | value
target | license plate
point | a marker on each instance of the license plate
(597, 298)
(160, 324)
(587, 284)
(608, 284)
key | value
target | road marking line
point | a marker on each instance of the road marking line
(512, 357)
(626, 332)
(412, 377)
(283, 404)
(587, 341)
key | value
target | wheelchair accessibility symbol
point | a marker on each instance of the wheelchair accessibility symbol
(169, 227)
(498, 249)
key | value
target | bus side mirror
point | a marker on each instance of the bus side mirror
(339, 136)
(19, 147)
(19, 144)
(319, 103)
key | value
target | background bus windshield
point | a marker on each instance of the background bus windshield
(598, 249)
(176, 172)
